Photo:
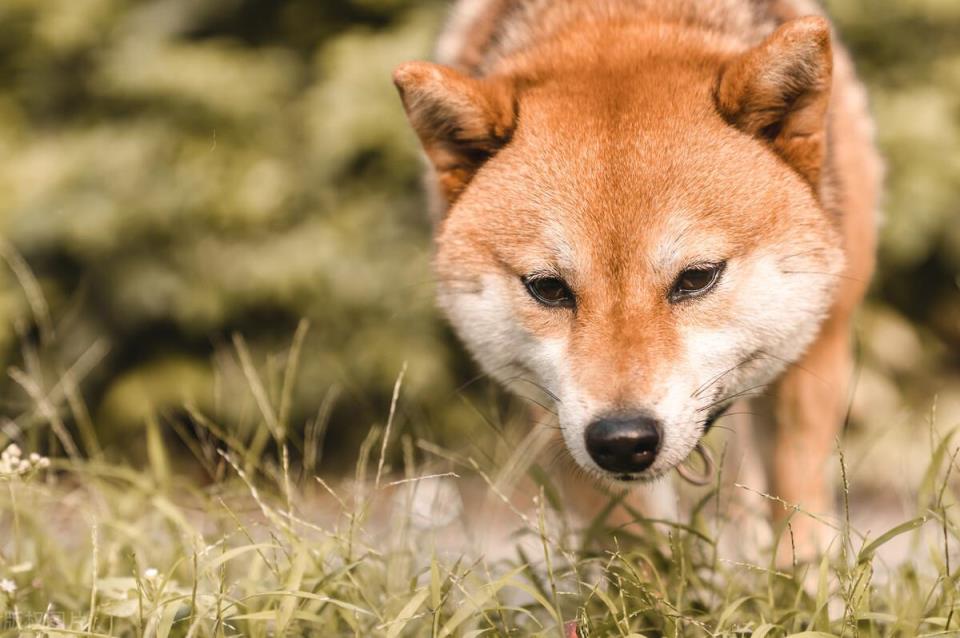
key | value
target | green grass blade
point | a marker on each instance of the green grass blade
(407, 612)
(871, 548)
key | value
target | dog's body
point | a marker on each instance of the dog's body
(651, 208)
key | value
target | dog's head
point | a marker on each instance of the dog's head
(640, 236)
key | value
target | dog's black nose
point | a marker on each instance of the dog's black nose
(624, 444)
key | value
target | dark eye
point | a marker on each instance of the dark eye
(696, 281)
(550, 291)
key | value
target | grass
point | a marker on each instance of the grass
(261, 546)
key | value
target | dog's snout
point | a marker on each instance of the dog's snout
(624, 444)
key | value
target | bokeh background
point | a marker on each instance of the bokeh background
(177, 172)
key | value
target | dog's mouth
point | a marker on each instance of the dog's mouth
(715, 414)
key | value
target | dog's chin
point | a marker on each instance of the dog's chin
(627, 480)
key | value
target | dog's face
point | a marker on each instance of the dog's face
(641, 255)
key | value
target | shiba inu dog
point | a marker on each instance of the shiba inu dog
(652, 209)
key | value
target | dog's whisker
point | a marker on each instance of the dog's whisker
(759, 354)
(801, 254)
(537, 403)
(481, 376)
(796, 365)
(539, 386)
(743, 413)
(823, 274)
(736, 395)
(723, 427)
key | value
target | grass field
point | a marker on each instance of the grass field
(242, 542)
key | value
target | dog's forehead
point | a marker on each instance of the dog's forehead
(624, 202)
(615, 147)
(612, 105)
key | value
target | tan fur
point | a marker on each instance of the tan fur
(616, 143)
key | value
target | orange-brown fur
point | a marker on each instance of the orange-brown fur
(617, 141)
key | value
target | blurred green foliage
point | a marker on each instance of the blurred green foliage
(177, 171)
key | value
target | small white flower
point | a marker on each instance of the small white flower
(150, 573)
(8, 586)
(13, 465)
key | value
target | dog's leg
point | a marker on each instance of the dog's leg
(807, 409)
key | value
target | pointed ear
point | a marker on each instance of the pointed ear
(780, 91)
(461, 121)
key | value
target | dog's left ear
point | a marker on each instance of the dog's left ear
(779, 91)
(461, 121)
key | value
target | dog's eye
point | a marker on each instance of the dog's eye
(550, 291)
(696, 281)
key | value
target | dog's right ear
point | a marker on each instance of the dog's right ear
(461, 121)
